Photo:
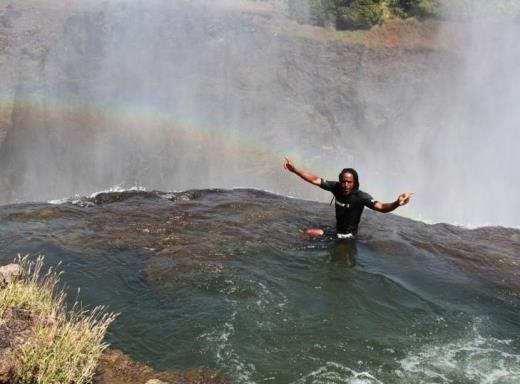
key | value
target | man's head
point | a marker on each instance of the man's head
(349, 180)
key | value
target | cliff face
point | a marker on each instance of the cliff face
(96, 94)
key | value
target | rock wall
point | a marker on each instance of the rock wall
(239, 84)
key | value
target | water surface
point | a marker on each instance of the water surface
(224, 279)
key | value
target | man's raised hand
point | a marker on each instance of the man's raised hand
(404, 198)
(288, 164)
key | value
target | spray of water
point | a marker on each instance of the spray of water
(466, 125)
(195, 94)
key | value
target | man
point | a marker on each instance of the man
(350, 200)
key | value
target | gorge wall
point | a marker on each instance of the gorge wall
(177, 95)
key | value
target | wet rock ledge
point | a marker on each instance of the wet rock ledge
(114, 367)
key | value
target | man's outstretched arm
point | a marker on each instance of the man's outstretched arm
(402, 199)
(309, 177)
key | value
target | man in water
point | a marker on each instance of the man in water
(350, 200)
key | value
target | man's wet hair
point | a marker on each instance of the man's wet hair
(354, 174)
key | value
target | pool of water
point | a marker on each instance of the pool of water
(225, 280)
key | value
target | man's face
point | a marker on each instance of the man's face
(347, 182)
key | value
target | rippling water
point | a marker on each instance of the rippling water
(224, 279)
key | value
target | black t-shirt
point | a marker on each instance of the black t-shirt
(348, 208)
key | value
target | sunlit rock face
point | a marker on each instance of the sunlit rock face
(178, 95)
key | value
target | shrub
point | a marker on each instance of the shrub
(420, 8)
(359, 14)
(65, 345)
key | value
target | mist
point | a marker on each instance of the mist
(467, 126)
(172, 95)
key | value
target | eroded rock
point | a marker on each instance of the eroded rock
(9, 273)
(117, 368)
(15, 329)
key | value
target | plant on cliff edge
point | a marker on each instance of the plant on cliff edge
(65, 345)
(420, 8)
(359, 14)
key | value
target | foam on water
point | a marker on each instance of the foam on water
(337, 373)
(77, 198)
(471, 359)
(220, 340)
(118, 188)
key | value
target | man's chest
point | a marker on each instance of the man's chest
(348, 202)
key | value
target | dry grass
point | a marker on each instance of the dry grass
(35, 291)
(65, 345)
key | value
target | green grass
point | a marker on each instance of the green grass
(66, 344)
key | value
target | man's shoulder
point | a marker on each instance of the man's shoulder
(329, 185)
(330, 182)
(364, 195)
(367, 198)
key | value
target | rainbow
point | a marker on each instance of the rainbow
(125, 117)
(132, 116)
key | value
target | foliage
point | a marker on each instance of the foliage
(421, 8)
(35, 291)
(65, 345)
(358, 14)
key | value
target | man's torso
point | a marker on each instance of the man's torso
(348, 207)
